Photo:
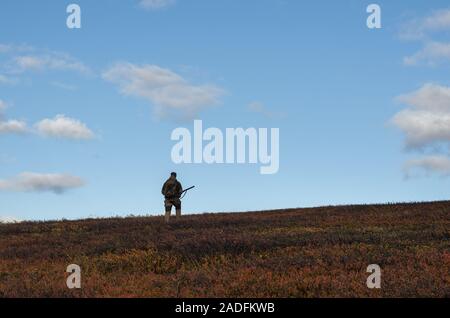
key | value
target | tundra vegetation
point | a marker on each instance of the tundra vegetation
(310, 252)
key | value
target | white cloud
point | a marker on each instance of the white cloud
(427, 120)
(36, 182)
(432, 54)
(10, 126)
(23, 58)
(30, 62)
(424, 29)
(13, 127)
(429, 165)
(426, 124)
(430, 96)
(64, 127)
(3, 107)
(170, 93)
(59, 127)
(65, 86)
(416, 29)
(7, 80)
(59, 62)
(423, 128)
(12, 48)
(439, 20)
(155, 4)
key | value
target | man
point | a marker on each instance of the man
(172, 191)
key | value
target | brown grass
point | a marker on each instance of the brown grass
(315, 252)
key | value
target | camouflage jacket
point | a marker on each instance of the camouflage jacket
(171, 189)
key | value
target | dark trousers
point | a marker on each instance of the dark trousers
(169, 203)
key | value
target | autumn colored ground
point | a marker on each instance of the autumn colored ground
(313, 252)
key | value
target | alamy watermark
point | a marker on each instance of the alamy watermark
(374, 279)
(235, 146)
(74, 279)
(374, 19)
(73, 21)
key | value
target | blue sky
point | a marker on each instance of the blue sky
(85, 118)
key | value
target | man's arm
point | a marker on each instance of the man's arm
(163, 190)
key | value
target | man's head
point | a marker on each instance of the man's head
(173, 175)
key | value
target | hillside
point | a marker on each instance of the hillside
(312, 252)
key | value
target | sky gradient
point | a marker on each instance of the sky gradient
(86, 114)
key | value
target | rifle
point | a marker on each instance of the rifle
(183, 193)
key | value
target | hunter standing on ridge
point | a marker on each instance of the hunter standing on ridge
(172, 191)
